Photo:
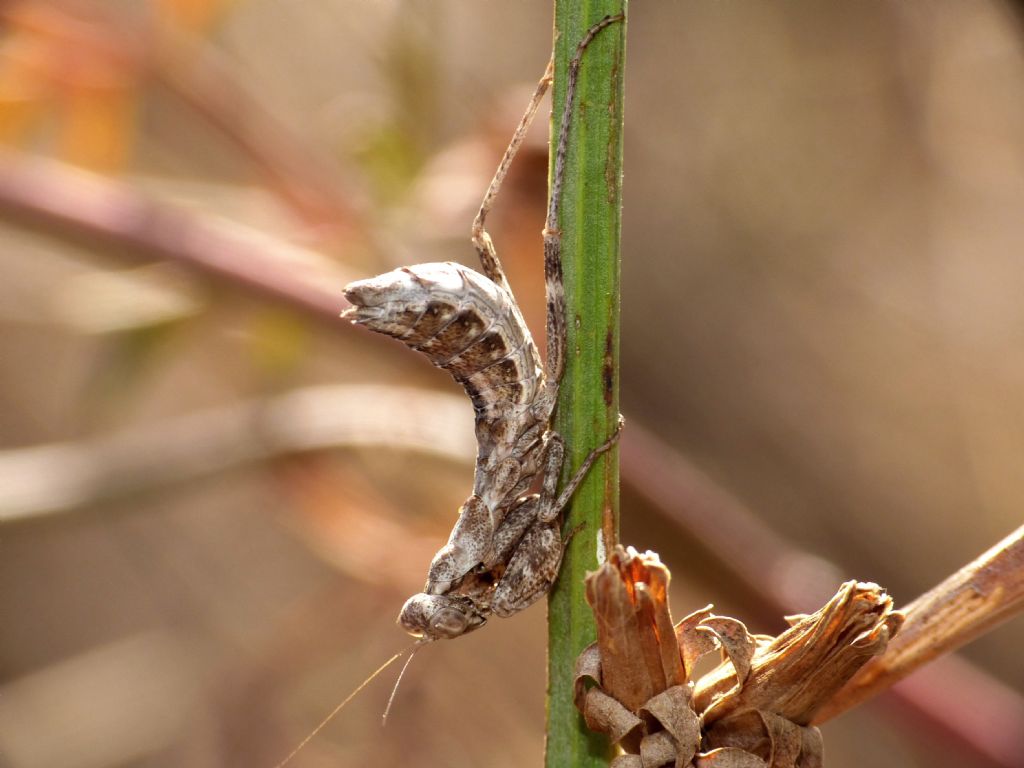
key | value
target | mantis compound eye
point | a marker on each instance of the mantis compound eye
(449, 622)
(439, 617)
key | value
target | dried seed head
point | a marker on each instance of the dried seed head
(629, 595)
(440, 617)
(754, 709)
(798, 672)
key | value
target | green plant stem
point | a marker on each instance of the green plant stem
(588, 409)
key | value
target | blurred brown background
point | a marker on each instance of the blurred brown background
(214, 501)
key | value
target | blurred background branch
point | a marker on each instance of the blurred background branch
(51, 479)
(116, 217)
(129, 49)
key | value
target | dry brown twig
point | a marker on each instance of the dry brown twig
(949, 699)
(978, 597)
(757, 709)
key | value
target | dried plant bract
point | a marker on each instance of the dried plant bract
(754, 709)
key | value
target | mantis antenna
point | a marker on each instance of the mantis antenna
(414, 647)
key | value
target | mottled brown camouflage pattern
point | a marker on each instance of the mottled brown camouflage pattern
(506, 546)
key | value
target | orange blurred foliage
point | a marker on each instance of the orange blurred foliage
(71, 75)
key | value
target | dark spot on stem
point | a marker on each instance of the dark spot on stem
(608, 368)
